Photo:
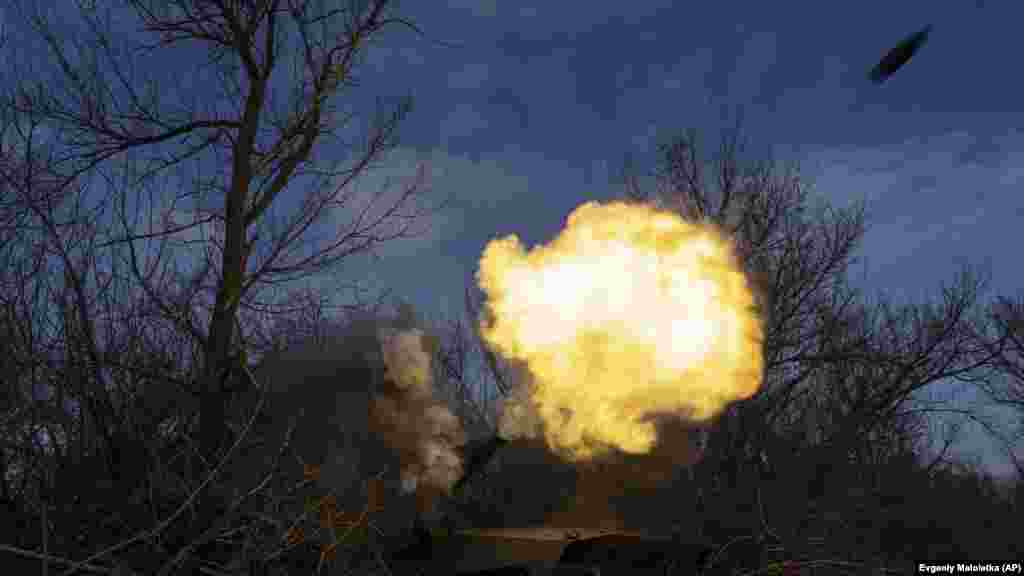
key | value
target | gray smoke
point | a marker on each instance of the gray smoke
(364, 396)
(420, 428)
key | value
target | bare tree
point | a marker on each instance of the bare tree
(133, 301)
(282, 67)
(80, 348)
(842, 374)
(1008, 315)
(1007, 340)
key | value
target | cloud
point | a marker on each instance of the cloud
(389, 57)
(476, 7)
(462, 121)
(485, 195)
(757, 58)
(471, 76)
(933, 202)
(644, 89)
(646, 139)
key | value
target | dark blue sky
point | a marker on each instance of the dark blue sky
(532, 107)
(537, 110)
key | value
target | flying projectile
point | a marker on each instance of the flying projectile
(899, 55)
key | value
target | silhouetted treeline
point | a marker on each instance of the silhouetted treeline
(174, 399)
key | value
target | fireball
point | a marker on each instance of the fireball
(629, 314)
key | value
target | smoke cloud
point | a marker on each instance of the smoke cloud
(364, 393)
(635, 329)
(422, 430)
(629, 315)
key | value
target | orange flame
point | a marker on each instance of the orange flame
(629, 314)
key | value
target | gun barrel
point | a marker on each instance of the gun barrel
(476, 457)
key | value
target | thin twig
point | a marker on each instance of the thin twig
(54, 559)
(148, 534)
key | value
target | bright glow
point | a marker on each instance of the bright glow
(629, 313)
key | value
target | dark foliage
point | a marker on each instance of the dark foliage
(825, 464)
